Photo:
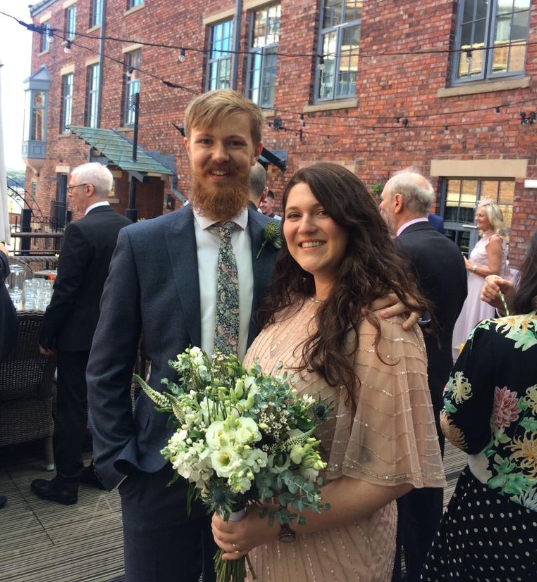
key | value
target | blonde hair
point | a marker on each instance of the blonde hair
(213, 106)
(495, 217)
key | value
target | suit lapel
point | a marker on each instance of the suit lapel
(181, 242)
(262, 267)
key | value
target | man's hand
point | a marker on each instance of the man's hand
(389, 305)
(3, 249)
(491, 292)
(45, 352)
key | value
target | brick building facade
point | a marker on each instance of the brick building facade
(439, 85)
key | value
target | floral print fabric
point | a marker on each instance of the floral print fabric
(490, 406)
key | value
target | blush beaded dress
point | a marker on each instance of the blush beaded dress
(390, 438)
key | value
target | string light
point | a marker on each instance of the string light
(67, 48)
(182, 55)
(320, 66)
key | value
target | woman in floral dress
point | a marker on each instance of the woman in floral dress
(489, 531)
(380, 441)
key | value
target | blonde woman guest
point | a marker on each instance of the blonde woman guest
(488, 258)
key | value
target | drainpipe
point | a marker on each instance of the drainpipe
(236, 43)
(101, 63)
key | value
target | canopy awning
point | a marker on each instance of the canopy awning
(118, 149)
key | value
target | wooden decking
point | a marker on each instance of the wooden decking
(42, 541)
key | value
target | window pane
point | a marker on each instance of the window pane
(507, 192)
(522, 4)
(326, 85)
(505, 6)
(332, 15)
(263, 64)
(268, 81)
(489, 189)
(348, 61)
(510, 57)
(353, 10)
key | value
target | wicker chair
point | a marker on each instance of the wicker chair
(26, 390)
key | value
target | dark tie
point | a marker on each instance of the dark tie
(226, 335)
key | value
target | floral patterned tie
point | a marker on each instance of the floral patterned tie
(226, 335)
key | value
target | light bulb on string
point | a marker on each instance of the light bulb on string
(67, 48)
(320, 66)
(182, 55)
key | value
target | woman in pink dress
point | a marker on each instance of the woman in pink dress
(489, 257)
(381, 440)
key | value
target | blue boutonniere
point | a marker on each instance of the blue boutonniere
(271, 232)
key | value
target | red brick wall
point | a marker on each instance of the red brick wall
(365, 138)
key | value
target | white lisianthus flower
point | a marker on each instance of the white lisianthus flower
(308, 400)
(214, 434)
(225, 461)
(247, 431)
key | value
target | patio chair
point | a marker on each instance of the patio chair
(26, 390)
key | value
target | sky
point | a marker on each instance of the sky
(15, 53)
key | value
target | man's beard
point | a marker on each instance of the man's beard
(222, 201)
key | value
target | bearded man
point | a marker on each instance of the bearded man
(164, 280)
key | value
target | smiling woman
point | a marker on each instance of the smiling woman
(336, 260)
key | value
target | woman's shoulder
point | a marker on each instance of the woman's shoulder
(392, 335)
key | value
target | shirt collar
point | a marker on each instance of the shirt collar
(204, 222)
(97, 204)
(407, 224)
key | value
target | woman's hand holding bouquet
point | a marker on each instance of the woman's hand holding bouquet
(243, 440)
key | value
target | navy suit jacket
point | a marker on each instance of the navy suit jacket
(441, 276)
(8, 315)
(153, 286)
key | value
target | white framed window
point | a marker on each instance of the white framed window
(133, 3)
(339, 45)
(219, 62)
(67, 102)
(96, 16)
(263, 58)
(132, 84)
(70, 22)
(92, 95)
(491, 39)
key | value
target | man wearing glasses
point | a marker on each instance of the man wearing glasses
(70, 321)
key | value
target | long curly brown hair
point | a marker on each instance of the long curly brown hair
(370, 269)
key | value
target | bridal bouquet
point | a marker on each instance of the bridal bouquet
(242, 439)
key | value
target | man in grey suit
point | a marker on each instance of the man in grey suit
(163, 281)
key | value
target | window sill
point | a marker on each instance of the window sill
(268, 112)
(43, 53)
(485, 87)
(125, 128)
(134, 9)
(64, 135)
(93, 28)
(330, 105)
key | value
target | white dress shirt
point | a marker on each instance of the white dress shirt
(102, 203)
(208, 243)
